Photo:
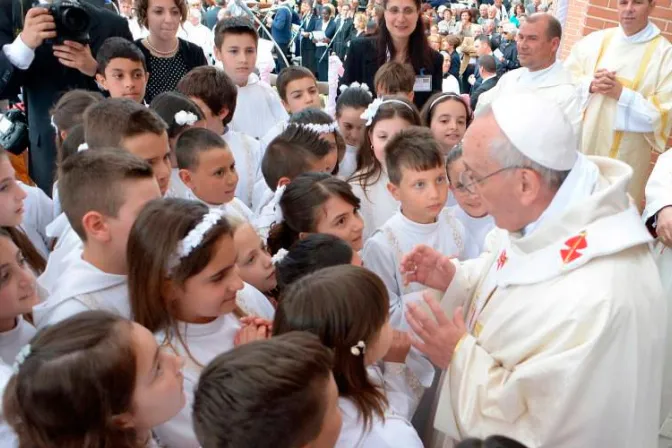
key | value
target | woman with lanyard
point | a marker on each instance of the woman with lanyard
(401, 37)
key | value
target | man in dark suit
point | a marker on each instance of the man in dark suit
(488, 72)
(210, 16)
(483, 47)
(281, 30)
(45, 71)
(344, 30)
(509, 52)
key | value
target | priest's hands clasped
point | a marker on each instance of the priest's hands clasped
(428, 267)
(439, 336)
(605, 83)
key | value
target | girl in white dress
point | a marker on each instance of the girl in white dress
(347, 308)
(95, 379)
(184, 287)
(316, 203)
(351, 104)
(384, 119)
(447, 115)
(18, 295)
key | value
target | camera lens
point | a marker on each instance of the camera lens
(75, 19)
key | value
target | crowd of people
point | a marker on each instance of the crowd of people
(455, 256)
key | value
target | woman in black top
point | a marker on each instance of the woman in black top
(168, 57)
(401, 37)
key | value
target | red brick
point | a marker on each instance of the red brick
(603, 13)
(592, 22)
(663, 13)
(660, 23)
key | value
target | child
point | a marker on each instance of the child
(347, 308)
(395, 79)
(418, 181)
(351, 104)
(102, 192)
(18, 295)
(208, 169)
(448, 115)
(259, 107)
(65, 115)
(470, 210)
(184, 287)
(315, 251)
(179, 113)
(298, 90)
(7, 435)
(297, 150)
(255, 265)
(289, 377)
(95, 379)
(321, 123)
(122, 70)
(317, 203)
(24, 214)
(384, 119)
(216, 95)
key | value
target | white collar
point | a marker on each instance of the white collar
(489, 77)
(528, 77)
(417, 227)
(646, 34)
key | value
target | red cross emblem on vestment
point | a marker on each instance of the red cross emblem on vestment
(574, 245)
(501, 260)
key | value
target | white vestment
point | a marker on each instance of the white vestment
(177, 188)
(83, 287)
(67, 242)
(235, 208)
(247, 154)
(348, 165)
(7, 436)
(377, 204)
(478, 228)
(554, 83)
(398, 236)
(254, 303)
(12, 341)
(403, 393)
(566, 327)
(258, 108)
(638, 123)
(38, 213)
(204, 343)
(273, 132)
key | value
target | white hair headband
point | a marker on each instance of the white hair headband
(371, 111)
(195, 237)
(83, 147)
(443, 97)
(184, 118)
(279, 256)
(320, 128)
(356, 85)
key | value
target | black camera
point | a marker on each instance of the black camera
(72, 21)
(14, 131)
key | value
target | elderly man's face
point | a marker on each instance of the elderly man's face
(483, 10)
(492, 13)
(498, 192)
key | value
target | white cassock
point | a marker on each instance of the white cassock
(348, 164)
(659, 196)
(254, 303)
(12, 341)
(566, 325)
(273, 132)
(67, 241)
(638, 123)
(204, 343)
(554, 83)
(478, 228)
(258, 108)
(37, 215)
(82, 287)
(202, 36)
(376, 204)
(7, 436)
(177, 188)
(247, 154)
(403, 393)
(234, 208)
(382, 254)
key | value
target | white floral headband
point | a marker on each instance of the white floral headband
(279, 256)
(356, 85)
(320, 128)
(83, 147)
(21, 357)
(184, 118)
(371, 111)
(195, 237)
(358, 349)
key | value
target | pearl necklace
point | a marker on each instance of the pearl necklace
(161, 53)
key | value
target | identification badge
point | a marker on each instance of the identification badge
(422, 84)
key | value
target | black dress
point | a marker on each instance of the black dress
(165, 73)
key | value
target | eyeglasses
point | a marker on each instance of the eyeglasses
(469, 181)
(408, 11)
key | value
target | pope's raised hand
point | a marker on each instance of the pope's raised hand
(428, 267)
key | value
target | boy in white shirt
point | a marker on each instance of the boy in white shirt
(208, 169)
(216, 94)
(259, 107)
(418, 180)
(298, 90)
(102, 191)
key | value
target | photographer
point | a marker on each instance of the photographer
(46, 66)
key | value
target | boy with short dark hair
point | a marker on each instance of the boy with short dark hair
(208, 169)
(259, 107)
(418, 180)
(288, 376)
(102, 191)
(395, 78)
(216, 94)
(122, 69)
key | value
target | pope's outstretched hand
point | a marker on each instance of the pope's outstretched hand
(428, 267)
